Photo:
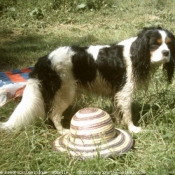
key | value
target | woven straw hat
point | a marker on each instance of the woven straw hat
(92, 134)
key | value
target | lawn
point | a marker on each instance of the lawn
(32, 29)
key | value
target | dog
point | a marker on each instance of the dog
(112, 70)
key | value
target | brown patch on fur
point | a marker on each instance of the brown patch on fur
(159, 41)
(168, 40)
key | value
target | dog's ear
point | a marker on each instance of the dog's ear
(140, 56)
(169, 67)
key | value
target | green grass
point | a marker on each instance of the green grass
(34, 28)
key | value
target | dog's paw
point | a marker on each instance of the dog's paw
(63, 131)
(134, 129)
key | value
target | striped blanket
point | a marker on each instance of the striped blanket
(12, 84)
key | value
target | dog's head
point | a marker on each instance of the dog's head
(153, 46)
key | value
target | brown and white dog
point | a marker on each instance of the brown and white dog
(112, 70)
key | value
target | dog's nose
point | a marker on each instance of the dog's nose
(165, 53)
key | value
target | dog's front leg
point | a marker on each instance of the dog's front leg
(122, 103)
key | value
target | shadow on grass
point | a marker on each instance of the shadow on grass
(19, 51)
(138, 111)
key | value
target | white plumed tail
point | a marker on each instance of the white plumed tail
(29, 110)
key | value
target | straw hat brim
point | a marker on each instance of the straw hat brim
(119, 145)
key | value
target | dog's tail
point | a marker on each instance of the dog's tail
(29, 110)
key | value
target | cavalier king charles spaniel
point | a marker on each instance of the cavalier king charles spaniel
(111, 70)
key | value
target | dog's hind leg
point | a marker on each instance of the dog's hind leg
(62, 100)
(29, 110)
